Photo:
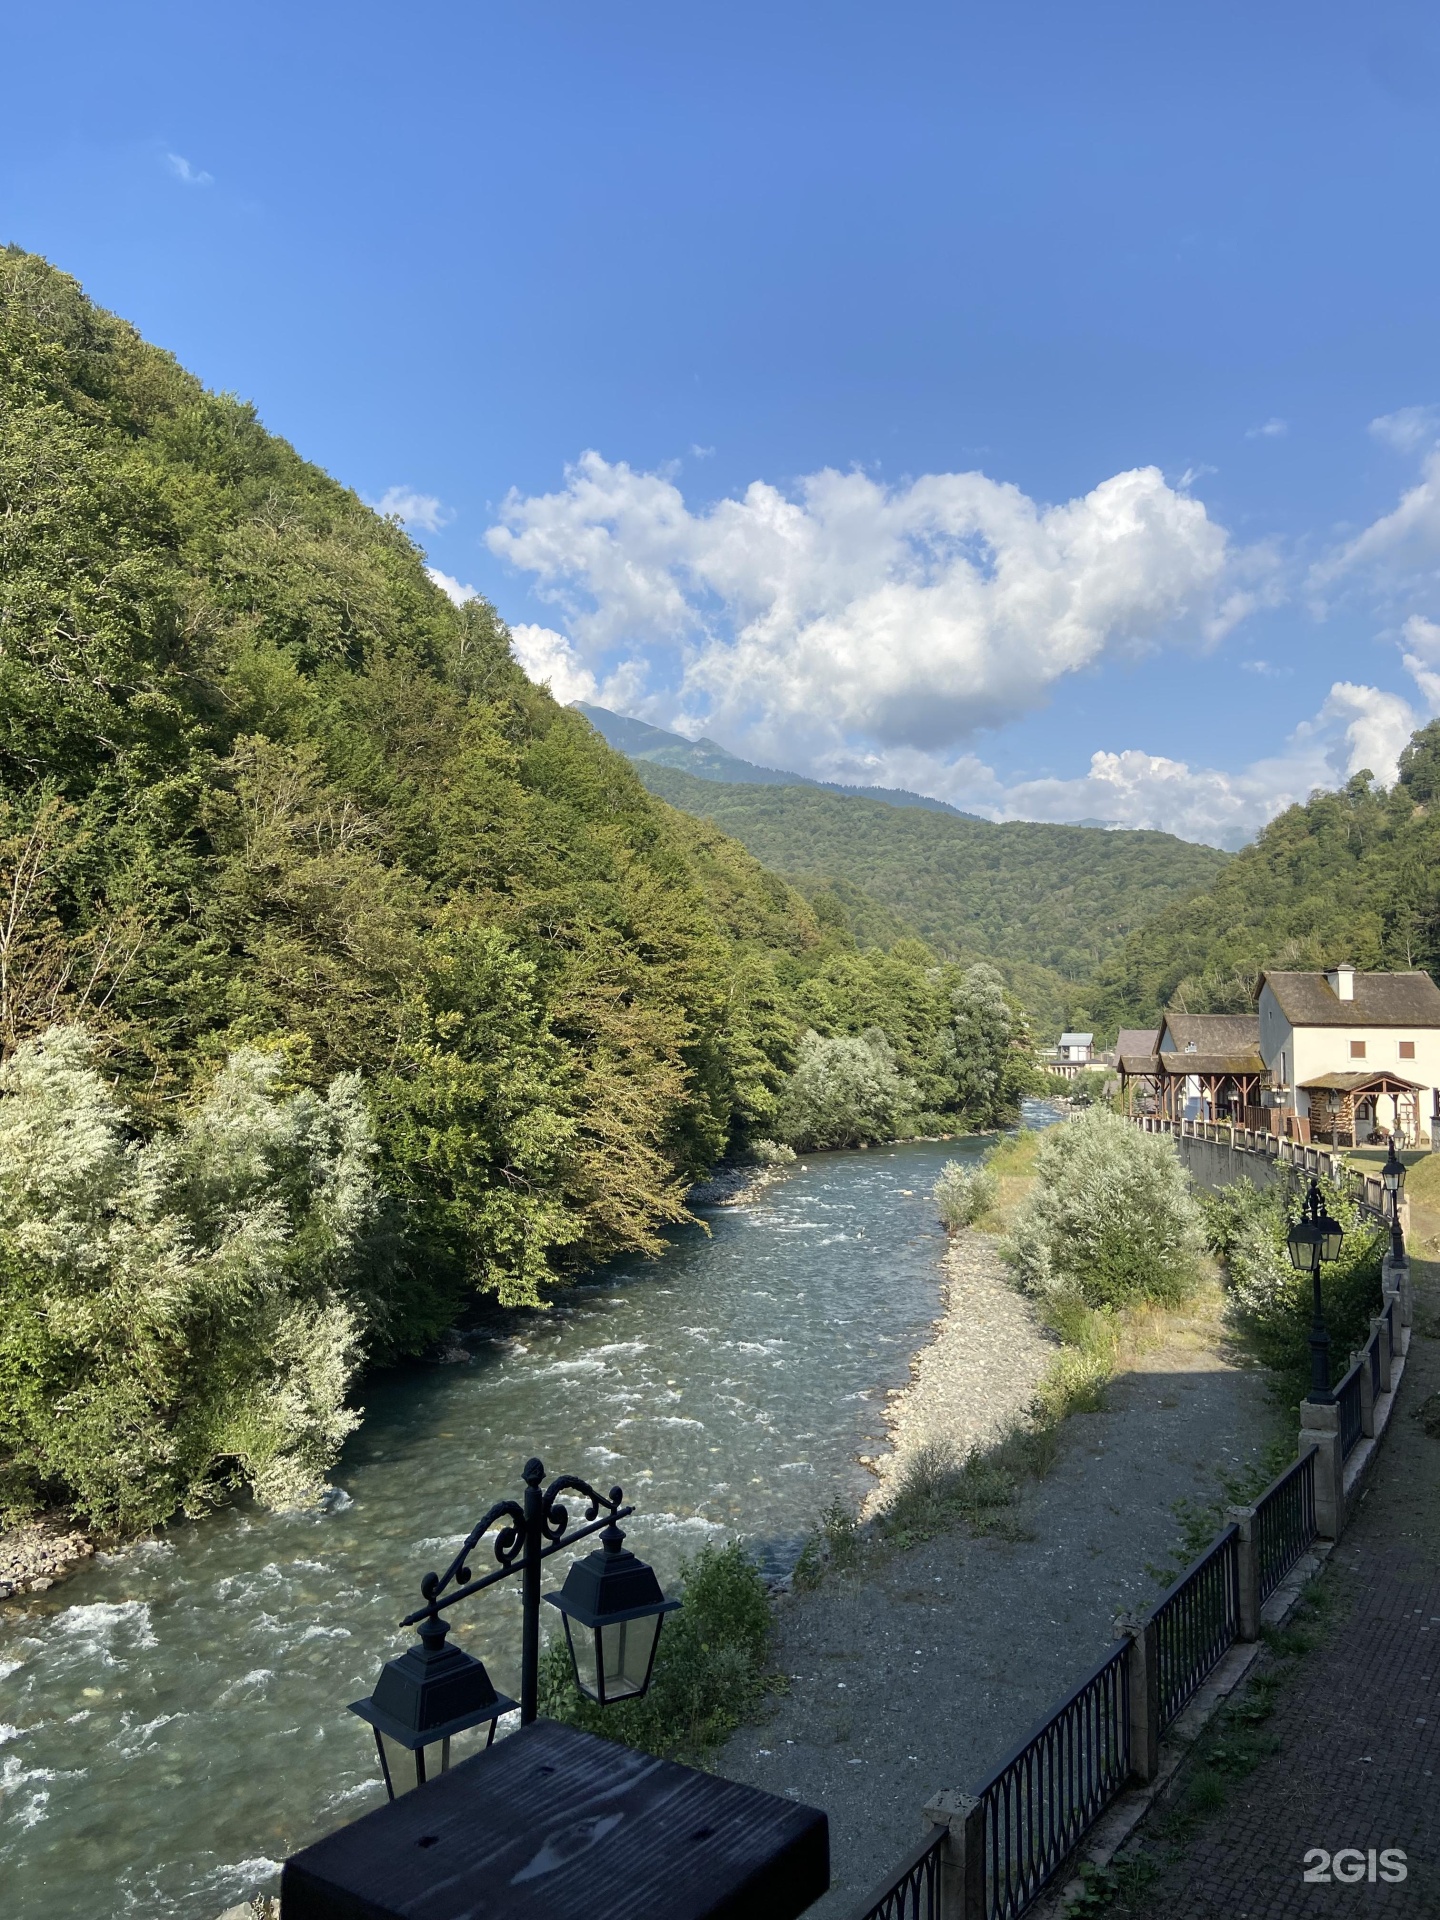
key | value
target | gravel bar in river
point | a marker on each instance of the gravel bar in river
(977, 1374)
(924, 1672)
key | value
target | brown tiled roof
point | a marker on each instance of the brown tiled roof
(1381, 1000)
(1134, 1063)
(1179, 1063)
(1356, 1082)
(1215, 1032)
(1136, 1040)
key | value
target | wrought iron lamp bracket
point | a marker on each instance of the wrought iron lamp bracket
(552, 1522)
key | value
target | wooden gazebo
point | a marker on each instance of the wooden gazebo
(1345, 1112)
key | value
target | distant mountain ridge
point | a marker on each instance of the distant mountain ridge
(708, 760)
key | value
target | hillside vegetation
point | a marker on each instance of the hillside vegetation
(344, 976)
(1049, 905)
(1351, 875)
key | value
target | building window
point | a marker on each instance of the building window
(1407, 1049)
(1357, 1049)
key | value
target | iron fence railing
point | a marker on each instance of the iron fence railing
(1347, 1398)
(1196, 1622)
(1284, 1524)
(912, 1892)
(1040, 1801)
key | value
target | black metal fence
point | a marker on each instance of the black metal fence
(1040, 1801)
(1196, 1622)
(1284, 1524)
(1347, 1398)
(912, 1891)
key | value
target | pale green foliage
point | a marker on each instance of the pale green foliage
(770, 1154)
(178, 1314)
(1112, 1217)
(843, 1091)
(964, 1191)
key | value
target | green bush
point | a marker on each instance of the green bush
(709, 1668)
(1245, 1227)
(843, 1092)
(1112, 1218)
(964, 1191)
(181, 1317)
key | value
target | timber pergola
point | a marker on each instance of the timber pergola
(1336, 1097)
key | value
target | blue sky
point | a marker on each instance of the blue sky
(939, 395)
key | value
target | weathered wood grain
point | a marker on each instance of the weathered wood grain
(553, 1824)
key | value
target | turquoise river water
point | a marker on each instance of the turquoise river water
(172, 1718)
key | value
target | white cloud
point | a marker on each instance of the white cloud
(414, 509)
(550, 660)
(1408, 429)
(448, 584)
(908, 616)
(184, 172)
(1421, 654)
(1271, 430)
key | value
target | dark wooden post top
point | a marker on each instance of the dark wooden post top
(553, 1824)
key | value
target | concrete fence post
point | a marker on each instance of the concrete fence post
(1248, 1571)
(1367, 1390)
(962, 1864)
(1320, 1430)
(1379, 1326)
(1395, 1278)
(1144, 1677)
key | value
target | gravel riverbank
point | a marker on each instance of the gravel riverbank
(979, 1372)
(922, 1673)
(34, 1557)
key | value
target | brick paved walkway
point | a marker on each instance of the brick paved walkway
(1358, 1763)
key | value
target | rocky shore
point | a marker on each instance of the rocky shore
(980, 1371)
(35, 1556)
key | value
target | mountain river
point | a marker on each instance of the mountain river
(172, 1717)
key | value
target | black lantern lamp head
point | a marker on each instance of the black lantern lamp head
(1315, 1238)
(613, 1610)
(1303, 1244)
(426, 1696)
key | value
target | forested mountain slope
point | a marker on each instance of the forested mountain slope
(1351, 875)
(343, 974)
(1048, 904)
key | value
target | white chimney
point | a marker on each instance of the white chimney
(1342, 982)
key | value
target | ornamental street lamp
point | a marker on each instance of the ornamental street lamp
(1392, 1177)
(432, 1692)
(1314, 1241)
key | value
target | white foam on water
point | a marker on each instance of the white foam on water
(334, 1500)
(257, 1677)
(440, 1543)
(7, 1732)
(241, 1876)
(92, 1630)
(322, 1633)
(7, 1667)
(675, 1420)
(138, 1736)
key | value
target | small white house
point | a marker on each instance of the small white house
(1077, 1048)
(1356, 1055)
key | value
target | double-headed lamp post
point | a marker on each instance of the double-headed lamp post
(611, 1604)
(1392, 1178)
(1313, 1241)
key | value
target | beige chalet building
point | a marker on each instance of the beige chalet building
(1341, 1057)
(1352, 1054)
